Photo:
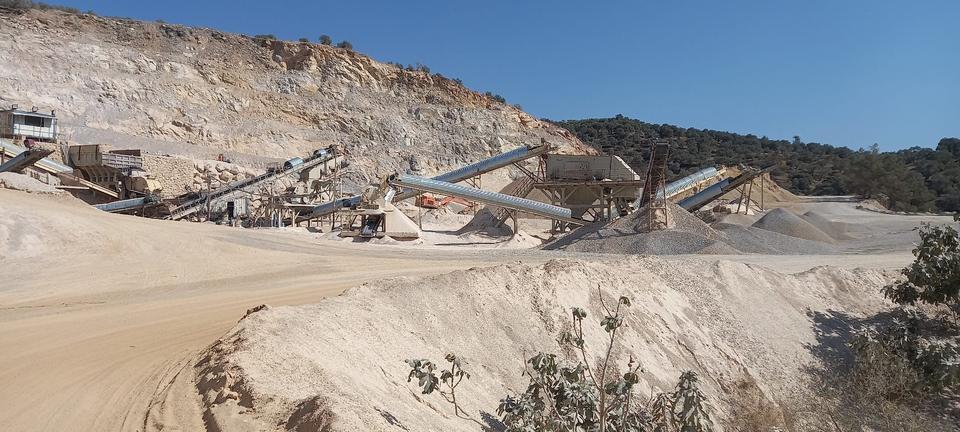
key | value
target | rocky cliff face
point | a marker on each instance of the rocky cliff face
(199, 92)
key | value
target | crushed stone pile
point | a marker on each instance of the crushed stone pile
(485, 222)
(836, 230)
(25, 183)
(339, 365)
(778, 235)
(787, 223)
(753, 240)
(687, 235)
(739, 219)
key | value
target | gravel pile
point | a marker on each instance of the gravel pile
(662, 242)
(760, 241)
(787, 223)
(687, 235)
(677, 219)
(836, 230)
(25, 183)
(777, 233)
(739, 219)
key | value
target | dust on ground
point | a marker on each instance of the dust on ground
(341, 360)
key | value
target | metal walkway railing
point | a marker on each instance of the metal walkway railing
(522, 188)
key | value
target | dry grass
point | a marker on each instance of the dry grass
(752, 411)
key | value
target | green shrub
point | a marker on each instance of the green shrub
(575, 395)
(28, 4)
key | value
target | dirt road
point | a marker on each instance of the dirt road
(90, 329)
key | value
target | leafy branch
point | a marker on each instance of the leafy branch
(573, 396)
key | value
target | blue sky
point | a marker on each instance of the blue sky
(847, 73)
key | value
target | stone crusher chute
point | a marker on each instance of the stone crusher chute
(46, 164)
(128, 204)
(25, 159)
(63, 173)
(236, 189)
(511, 157)
(375, 216)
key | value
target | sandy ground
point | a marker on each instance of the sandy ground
(99, 312)
(343, 357)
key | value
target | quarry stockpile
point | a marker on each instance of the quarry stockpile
(778, 232)
(338, 365)
(199, 93)
(25, 183)
(785, 222)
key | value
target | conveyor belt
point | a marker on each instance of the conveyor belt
(490, 164)
(25, 159)
(695, 202)
(486, 197)
(47, 164)
(127, 204)
(235, 188)
(457, 175)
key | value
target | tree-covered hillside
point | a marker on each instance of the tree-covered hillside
(915, 179)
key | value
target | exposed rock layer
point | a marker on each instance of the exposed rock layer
(199, 93)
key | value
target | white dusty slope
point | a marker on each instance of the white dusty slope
(200, 92)
(293, 366)
(99, 311)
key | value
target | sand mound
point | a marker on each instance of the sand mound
(786, 222)
(772, 192)
(662, 242)
(687, 235)
(753, 240)
(485, 222)
(677, 218)
(25, 183)
(836, 230)
(339, 363)
(778, 233)
(738, 219)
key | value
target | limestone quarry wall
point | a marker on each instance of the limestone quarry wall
(199, 93)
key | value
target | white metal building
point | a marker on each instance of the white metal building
(15, 122)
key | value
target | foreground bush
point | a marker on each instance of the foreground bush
(905, 363)
(564, 395)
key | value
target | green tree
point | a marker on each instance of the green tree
(325, 40)
(915, 179)
(922, 345)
